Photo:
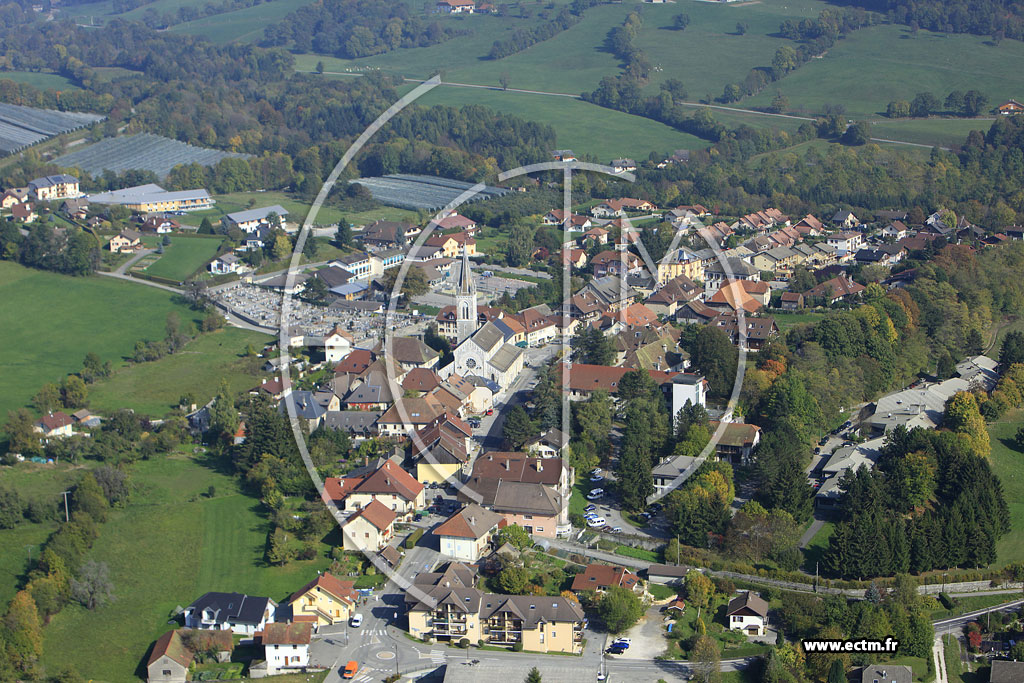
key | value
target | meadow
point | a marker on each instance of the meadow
(37, 79)
(938, 131)
(240, 26)
(184, 256)
(1005, 461)
(168, 546)
(50, 321)
(240, 201)
(155, 388)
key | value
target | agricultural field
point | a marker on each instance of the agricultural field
(875, 65)
(583, 127)
(168, 546)
(43, 81)
(154, 388)
(184, 256)
(1005, 461)
(143, 151)
(240, 201)
(240, 26)
(96, 313)
(941, 132)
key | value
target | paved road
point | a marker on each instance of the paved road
(150, 283)
(814, 528)
(133, 260)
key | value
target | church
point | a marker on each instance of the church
(482, 350)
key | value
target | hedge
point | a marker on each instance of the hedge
(410, 541)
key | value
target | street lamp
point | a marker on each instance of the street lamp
(397, 672)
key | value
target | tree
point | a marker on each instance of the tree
(591, 346)
(741, 28)
(504, 81)
(75, 393)
(785, 59)
(716, 358)
(699, 588)
(898, 109)
(857, 133)
(1018, 439)
(319, 67)
(533, 676)
(206, 227)
(680, 22)
(223, 415)
(21, 435)
(343, 235)
(706, 660)
(974, 103)
(88, 497)
(315, 290)
(93, 587)
(836, 673)
(955, 102)
(514, 534)
(282, 247)
(47, 399)
(963, 417)
(513, 580)
(518, 428)
(923, 104)
(619, 608)
(1012, 349)
(414, 283)
(23, 632)
(12, 508)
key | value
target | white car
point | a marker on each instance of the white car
(596, 521)
(356, 621)
(623, 641)
(597, 477)
(595, 494)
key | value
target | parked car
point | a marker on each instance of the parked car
(596, 478)
(623, 643)
(606, 528)
(490, 411)
(615, 650)
(597, 521)
(590, 508)
(616, 529)
(595, 494)
(356, 621)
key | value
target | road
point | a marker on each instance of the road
(518, 393)
(150, 283)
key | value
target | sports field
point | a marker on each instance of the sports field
(49, 322)
(184, 256)
(155, 388)
(169, 545)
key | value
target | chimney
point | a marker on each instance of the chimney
(507, 466)
(540, 464)
(472, 520)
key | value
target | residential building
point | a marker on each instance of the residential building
(1010, 107)
(845, 219)
(574, 223)
(236, 612)
(155, 224)
(466, 535)
(758, 330)
(717, 274)
(791, 301)
(675, 292)
(51, 187)
(390, 484)
(550, 444)
(618, 208)
(601, 577)
(152, 198)
(897, 230)
(537, 508)
(611, 292)
(456, 6)
(224, 265)
(370, 529)
(623, 165)
(387, 234)
(407, 415)
(408, 352)
(836, 289)
(24, 212)
(251, 220)
(761, 221)
(737, 441)
(337, 344)
(847, 242)
(452, 245)
(54, 425)
(15, 195)
(441, 450)
(747, 613)
(901, 673)
(671, 471)
(286, 647)
(126, 240)
(1003, 671)
(169, 661)
(455, 221)
(541, 623)
(325, 600)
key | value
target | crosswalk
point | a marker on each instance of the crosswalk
(437, 657)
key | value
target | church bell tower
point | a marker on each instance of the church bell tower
(465, 301)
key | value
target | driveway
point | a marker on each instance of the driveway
(647, 635)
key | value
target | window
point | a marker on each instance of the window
(540, 529)
(527, 516)
(167, 672)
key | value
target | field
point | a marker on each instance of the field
(184, 256)
(43, 81)
(1006, 462)
(942, 132)
(166, 548)
(241, 26)
(239, 201)
(583, 127)
(154, 388)
(882, 63)
(49, 322)
(817, 547)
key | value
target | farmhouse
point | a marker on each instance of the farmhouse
(456, 6)
(252, 220)
(1010, 107)
(52, 187)
(54, 425)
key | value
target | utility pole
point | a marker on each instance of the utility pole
(397, 672)
(816, 576)
(29, 547)
(67, 514)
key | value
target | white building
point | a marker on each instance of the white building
(286, 647)
(466, 535)
(251, 220)
(235, 612)
(337, 345)
(688, 388)
(747, 613)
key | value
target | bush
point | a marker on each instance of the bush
(415, 536)
(464, 643)
(517, 646)
(947, 602)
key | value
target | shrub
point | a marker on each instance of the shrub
(410, 541)
(517, 646)
(464, 643)
(947, 602)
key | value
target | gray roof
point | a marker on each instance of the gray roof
(852, 457)
(143, 194)
(749, 601)
(236, 607)
(525, 497)
(899, 673)
(738, 266)
(352, 421)
(677, 571)
(506, 357)
(306, 405)
(51, 180)
(921, 406)
(256, 214)
(673, 468)
(488, 336)
(610, 289)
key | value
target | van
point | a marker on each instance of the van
(350, 670)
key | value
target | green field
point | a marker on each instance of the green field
(49, 322)
(583, 127)
(166, 548)
(241, 26)
(787, 320)
(817, 547)
(39, 80)
(154, 388)
(942, 132)
(875, 65)
(1006, 463)
(184, 256)
(240, 201)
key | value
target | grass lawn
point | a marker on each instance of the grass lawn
(164, 549)
(241, 26)
(585, 128)
(918, 664)
(1006, 463)
(97, 314)
(184, 256)
(36, 79)
(154, 388)
(817, 547)
(969, 603)
(638, 553)
(875, 65)
(240, 201)
(941, 132)
(786, 320)
(661, 592)
(951, 650)
(17, 544)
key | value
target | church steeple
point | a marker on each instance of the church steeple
(465, 301)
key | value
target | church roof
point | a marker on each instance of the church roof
(506, 356)
(488, 336)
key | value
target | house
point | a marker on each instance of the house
(235, 612)
(151, 198)
(408, 352)
(77, 208)
(845, 219)
(901, 673)
(791, 301)
(455, 221)
(24, 212)
(126, 240)
(550, 444)
(677, 291)
(897, 230)
(225, 265)
(610, 293)
(407, 415)
(747, 613)
(337, 344)
(456, 6)
(618, 208)
(537, 508)
(452, 244)
(737, 441)
(737, 294)
(370, 529)
(15, 195)
(389, 484)
(598, 235)
(358, 424)
(170, 660)
(882, 255)
(441, 450)
(670, 471)
(421, 380)
(847, 242)
(622, 165)
(252, 220)
(1003, 671)
(758, 330)
(449, 613)
(521, 467)
(696, 312)
(717, 273)
(563, 155)
(1010, 107)
(285, 647)
(575, 222)
(577, 258)
(308, 408)
(156, 224)
(667, 574)
(387, 234)
(601, 577)
(809, 226)
(615, 263)
(54, 425)
(466, 535)
(48, 188)
(836, 289)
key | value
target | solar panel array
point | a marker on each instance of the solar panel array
(421, 191)
(140, 152)
(23, 126)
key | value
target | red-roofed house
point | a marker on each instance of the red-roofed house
(616, 208)
(285, 646)
(458, 222)
(326, 599)
(466, 534)
(456, 6)
(369, 529)
(836, 289)
(354, 363)
(54, 425)
(601, 577)
(577, 222)
(452, 243)
(391, 485)
(585, 379)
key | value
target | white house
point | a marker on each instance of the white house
(224, 265)
(337, 345)
(286, 647)
(847, 242)
(235, 612)
(466, 535)
(747, 613)
(252, 220)
(688, 388)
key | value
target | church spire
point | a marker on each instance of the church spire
(465, 301)
(465, 275)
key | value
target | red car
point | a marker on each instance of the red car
(490, 411)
